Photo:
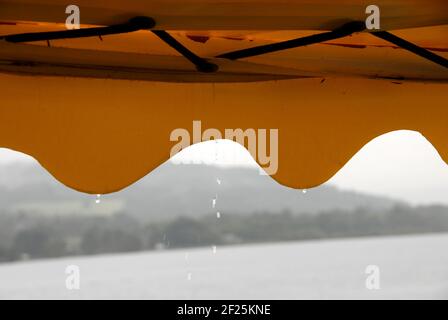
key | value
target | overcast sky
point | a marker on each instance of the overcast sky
(402, 165)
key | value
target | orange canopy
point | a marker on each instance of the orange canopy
(98, 113)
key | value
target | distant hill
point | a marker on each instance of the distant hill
(174, 190)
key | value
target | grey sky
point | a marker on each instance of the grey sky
(401, 164)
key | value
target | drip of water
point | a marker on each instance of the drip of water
(214, 202)
(214, 249)
(189, 276)
(98, 199)
(304, 191)
(218, 215)
(216, 151)
(186, 256)
(218, 181)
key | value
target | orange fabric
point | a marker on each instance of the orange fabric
(99, 136)
(233, 14)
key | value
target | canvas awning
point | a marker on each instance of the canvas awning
(98, 113)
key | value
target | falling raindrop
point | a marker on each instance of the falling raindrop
(189, 276)
(186, 256)
(304, 191)
(218, 181)
(216, 151)
(214, 201)
(98, 199)
(218, 215)
(214, 249)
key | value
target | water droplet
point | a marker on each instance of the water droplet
(189, 276)
(218, 181)
(214, 201)
(304, 191)
(214, 249)
(186, 256)
(218, 215)
(98, 199)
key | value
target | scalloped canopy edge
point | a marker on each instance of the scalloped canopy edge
(100, 136)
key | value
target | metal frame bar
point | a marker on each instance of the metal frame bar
(341, 32)
(409, 46)
(134, 24)
(202, 65)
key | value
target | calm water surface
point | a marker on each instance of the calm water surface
(412, 267)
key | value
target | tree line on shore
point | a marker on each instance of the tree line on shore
(29, 236)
